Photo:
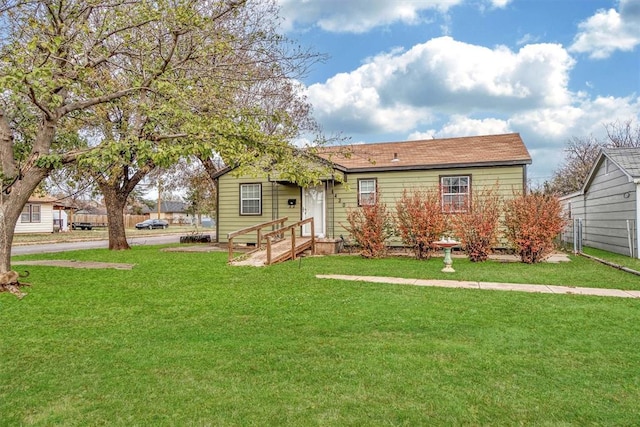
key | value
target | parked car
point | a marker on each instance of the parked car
(152, 223)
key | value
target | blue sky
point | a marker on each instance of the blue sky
(397, 70)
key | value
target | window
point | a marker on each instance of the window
(250, 199)
(456, 192)
(30, 213)
(366, 192)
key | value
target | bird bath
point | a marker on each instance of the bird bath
(447, 244)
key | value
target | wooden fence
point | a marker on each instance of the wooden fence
(129, 220)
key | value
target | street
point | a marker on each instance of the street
(92, 244)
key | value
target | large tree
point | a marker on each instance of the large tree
(66, 65)
(582, 152)
(234, 97)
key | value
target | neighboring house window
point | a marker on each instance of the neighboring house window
(30, 213)
(366, 192)
(250, 199)
(456, 192)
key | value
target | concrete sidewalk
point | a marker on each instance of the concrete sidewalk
(546, 289)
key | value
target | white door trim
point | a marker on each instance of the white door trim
(308, 211)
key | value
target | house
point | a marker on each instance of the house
(459, 165)
(608, 205)
(172, 211)
(37, 215)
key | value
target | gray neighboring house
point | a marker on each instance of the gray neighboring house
(608, 204)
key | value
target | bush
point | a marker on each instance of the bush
(478, 227)
(370, 226)
(532, 222)
(420, 221)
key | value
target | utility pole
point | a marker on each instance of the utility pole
(159, 196)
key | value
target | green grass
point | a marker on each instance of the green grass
(184, 339)
(625, 261)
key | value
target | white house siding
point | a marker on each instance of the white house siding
(44, 226)
(609, 202)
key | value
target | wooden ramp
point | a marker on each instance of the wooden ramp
(280, 251)
(281, 245)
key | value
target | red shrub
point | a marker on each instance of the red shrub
(370, 226)
(532, 221)
(478, 227)
(420, 221)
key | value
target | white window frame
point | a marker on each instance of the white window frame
(367, 196)
(31, 213)
(244, 198)
(454, 198)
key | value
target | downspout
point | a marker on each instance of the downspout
(216, 184)
(637, 219)
(333, 208)
(276, 203)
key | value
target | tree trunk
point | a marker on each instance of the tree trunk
(8, 220)
(115, 204)
(11, 206)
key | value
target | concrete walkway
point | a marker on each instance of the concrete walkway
(546, 289)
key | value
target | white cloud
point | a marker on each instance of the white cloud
(446, 88)
(500, 3)
(428, 134)
(359, 16)
(609, 30)
(401, 90)
(465, 126)
(527, 39)
(459, 125)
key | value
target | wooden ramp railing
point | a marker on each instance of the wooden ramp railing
(303, 243)
(257, 228)
(281, 244)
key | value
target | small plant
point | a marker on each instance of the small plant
(532, 222)
(478, 226)
(420, 220)
(371, 225)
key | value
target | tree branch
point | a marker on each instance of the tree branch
(7, 162)
(98, 100)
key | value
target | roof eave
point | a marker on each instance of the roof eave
(522, 162)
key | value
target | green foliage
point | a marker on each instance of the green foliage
(51, 161)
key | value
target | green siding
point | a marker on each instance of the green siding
(274, 205)
(342, 197)
(392, 184)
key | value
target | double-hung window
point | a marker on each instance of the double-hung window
(30, 213)
(456, 193)
(250, 199)
(366, 192)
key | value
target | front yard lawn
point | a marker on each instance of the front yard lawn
(184, 339)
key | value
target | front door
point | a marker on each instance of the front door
(313, 206)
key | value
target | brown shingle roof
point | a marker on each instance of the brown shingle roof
(487, 150)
